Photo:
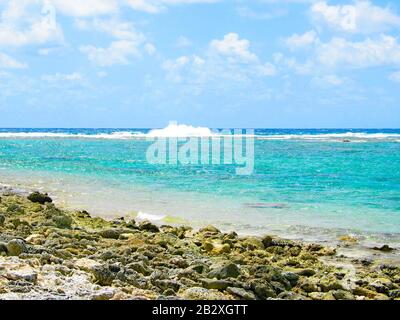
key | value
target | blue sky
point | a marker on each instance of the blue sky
(216, 63)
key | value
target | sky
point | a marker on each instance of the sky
(213, 63)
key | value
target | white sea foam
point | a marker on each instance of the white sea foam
(182, 131)
(150, 217)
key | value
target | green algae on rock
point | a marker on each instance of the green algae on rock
(50, 253)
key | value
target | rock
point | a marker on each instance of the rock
(36, 239)
(292, 277)
(221, 249)
(348, 239)
(384, 248)
(148, 226)
(3, 248)
(86, 264)
(110, 233)
(267, 241)
(215, 284)
(309, 285)
(16, 247)
(139, 267)
(2, 220)
(252, 243)
(226, 270)
(22, 272)
(382, 285)
(360, 291)
(321, 296)
(103, 294)
(37, 197)
(210, 229)
(395, 294)
(102, 275)
(305, 272)
(208, 246)
(62, 221)
(166, 284)
(327, 284)
(342, 295)
(289, 295)
(198, 293)
(242, 293)
(198, 267)
(264, 291)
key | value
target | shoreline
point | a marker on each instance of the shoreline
(359, 248)
(49, 253)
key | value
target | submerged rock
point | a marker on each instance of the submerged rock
(384, 248)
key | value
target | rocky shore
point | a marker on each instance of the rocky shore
(49, 253)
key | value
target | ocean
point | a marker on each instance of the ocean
(309, 184)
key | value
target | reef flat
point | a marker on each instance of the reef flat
(50, 253)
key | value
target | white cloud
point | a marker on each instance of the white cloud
(361, 17)
(234, 47)
(384, 50)
(126, 46)
(86, 8)
(25, 23)
(227, 59)
(395, 76)
(156, 6)
(72, 77)
(297, 41)
(118, 53)
(118, 29)
(7, 62)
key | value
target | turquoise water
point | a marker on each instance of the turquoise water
(305, 182)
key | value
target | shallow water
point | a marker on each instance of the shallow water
(307, 184)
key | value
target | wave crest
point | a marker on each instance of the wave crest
(181, 130)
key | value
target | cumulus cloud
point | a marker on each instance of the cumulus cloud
(228, 58)
(26, 23)
(360, 17)
(118, 53)
(156, 6)
(86, 8)
(234, 47)
(384, 50)
(297, 41)
(126, 45)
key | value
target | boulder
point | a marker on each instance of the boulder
(224, 271)
(242, 293)
(148, 226)
(216, 284)
(16, 247)
(110, 233)
(37, 197)
(210, 229)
